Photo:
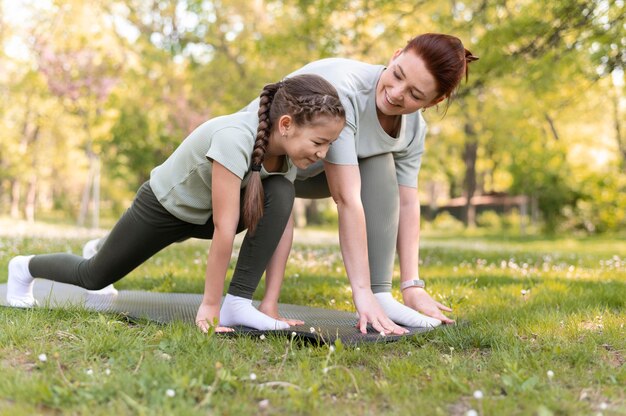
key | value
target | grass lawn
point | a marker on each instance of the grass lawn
(541, 331)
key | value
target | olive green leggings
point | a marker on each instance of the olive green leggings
(381, 202)
(146, 228)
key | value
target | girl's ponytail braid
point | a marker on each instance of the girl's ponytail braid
(253, 196)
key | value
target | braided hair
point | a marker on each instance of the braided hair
(303, 97)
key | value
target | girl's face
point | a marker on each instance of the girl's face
(309, 143)
(405, 86)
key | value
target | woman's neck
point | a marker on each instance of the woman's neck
(391, 124)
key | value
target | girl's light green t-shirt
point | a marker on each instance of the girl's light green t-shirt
(182, 184)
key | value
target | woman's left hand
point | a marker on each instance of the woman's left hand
(418, 299)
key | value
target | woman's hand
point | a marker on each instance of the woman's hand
(370, 312)
(418, 299)
(208, 316)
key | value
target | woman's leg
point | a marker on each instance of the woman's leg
(254, 255)
(143, 230)
(381, 202)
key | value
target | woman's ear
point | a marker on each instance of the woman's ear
(435, 102)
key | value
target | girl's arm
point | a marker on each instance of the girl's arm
(344, 182)
(408, 252)
(225, 195)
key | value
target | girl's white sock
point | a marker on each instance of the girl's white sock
(240, 311)
(20, 283)
(403, 315)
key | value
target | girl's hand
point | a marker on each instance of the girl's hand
(370, 312)
(271, 309)
(208, 316)
(418, 299)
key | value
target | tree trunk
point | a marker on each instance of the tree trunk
(95, 213)
(621, 142)
(469, 156)
(31, 199)
(84, 202)
(16, 186)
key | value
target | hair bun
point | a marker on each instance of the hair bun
(469, 57)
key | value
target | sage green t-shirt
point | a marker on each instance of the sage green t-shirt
(363, 136)
(182, 184)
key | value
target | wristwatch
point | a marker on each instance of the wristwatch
(412, 283)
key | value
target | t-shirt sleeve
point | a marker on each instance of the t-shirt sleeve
(343, 151)
(231, 148)
(409, 160)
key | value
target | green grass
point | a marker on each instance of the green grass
(570, 320)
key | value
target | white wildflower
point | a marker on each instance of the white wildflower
(43, 358)
(478, 394)
(170, 393)
(252, 376)
(550, 374)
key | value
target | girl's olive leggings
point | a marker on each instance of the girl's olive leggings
(146, 228)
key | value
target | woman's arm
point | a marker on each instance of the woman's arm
(344, 182)
(225, 195)
(408, 252)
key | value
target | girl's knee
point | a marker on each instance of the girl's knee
(279, 194)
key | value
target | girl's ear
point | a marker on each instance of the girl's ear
(284, 123)
(397, 53)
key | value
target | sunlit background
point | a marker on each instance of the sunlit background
(95, 94)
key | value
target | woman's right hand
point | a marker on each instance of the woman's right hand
(369, 311)
(208, 316)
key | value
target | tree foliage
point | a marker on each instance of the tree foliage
(112, 87)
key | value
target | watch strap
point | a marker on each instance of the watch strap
(412, 283)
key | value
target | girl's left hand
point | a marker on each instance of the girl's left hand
(418, 299)
(208, 316)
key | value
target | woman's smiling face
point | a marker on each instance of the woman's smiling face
(405, 86)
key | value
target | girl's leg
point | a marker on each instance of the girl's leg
(381, 202)
(313, 188)
(143, 230)
(254, 255)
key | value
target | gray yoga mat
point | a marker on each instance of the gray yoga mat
(320, 325)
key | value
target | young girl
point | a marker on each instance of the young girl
(197, 192)
(371, 171)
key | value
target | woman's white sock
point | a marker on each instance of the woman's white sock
(403, 315)
(20, 283)
(240, 311)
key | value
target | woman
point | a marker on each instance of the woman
(371, 170)
(197, 192)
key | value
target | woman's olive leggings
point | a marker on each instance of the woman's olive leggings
(146, 228)
(381, 202)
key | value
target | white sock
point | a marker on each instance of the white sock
(90, 249)
(240, 311)
(403, 315)
(20, 283)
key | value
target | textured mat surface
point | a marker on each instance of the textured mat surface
(320, 325)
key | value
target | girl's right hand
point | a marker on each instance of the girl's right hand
(369, 311)
(208, 316)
